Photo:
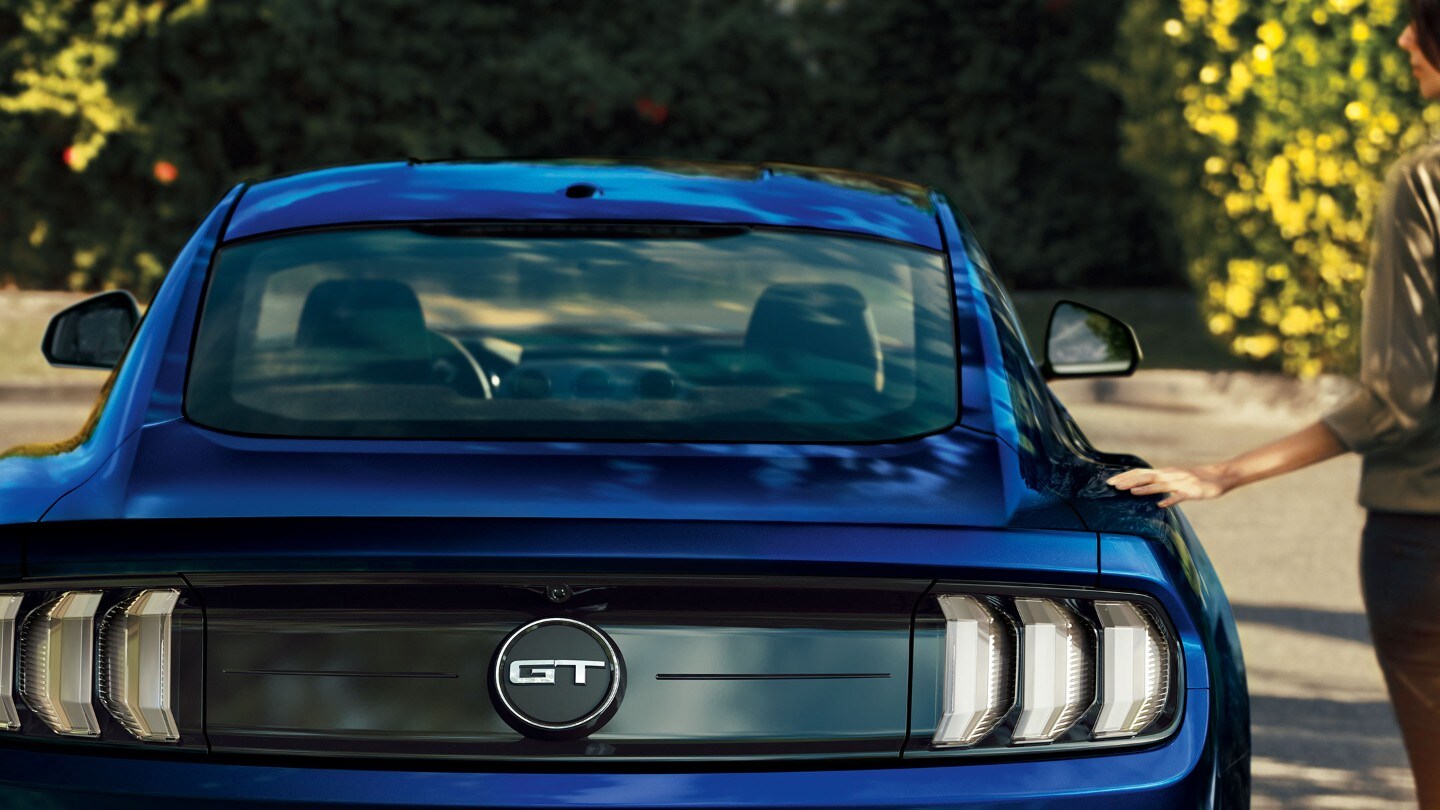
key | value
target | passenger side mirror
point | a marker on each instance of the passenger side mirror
(1085, 342)
(92, 333)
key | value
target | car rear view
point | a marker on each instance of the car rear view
(524, 485)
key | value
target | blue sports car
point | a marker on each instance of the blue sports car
(598, 484)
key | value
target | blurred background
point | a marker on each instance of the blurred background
(1205, 169)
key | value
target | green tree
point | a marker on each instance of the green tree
(124, 119)
(996, 103)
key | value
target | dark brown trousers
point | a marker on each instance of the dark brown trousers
(1400, 574)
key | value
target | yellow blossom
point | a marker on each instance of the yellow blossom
(1239, 300)
(1258, 346)
(1295, 322)
(1225, 127)
(1271, 33)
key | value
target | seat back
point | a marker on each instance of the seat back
(815, 333)
(370, 330)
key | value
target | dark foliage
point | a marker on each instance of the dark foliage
(123, 121)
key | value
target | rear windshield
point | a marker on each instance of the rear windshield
(580, 332)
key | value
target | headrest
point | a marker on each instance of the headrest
(817, 333)
(378, 320)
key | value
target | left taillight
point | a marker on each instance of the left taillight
(57, 663)
(9, 609)
(136, 655)
(100, 662)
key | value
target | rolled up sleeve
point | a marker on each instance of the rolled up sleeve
(1398, 342)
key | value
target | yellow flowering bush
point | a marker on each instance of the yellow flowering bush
(1269, 126)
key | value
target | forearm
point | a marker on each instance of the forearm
(1302, 448)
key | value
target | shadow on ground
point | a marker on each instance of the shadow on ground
(1340, 624)
(1315, 771)
(1315, 748)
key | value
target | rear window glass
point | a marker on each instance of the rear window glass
(580, 332)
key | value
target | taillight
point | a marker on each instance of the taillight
(1058, 662)
(100, 661)
(135, 662)
(1015, 670)
(57, 663)
(9, 609)
(1136, 669)
(980, 678)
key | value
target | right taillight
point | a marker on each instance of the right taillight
(980, 671)
(1044, 669)
(1058, 661)
(1135, 669)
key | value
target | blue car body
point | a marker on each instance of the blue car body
(1011, 494)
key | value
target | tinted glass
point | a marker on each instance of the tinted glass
(576, 332)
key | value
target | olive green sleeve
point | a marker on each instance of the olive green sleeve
(1398, 341)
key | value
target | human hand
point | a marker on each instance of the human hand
(1182, 484)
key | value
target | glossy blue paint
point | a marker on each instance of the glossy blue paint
(984, 391)
(1041, 557)
(1179, 773)
(758, 194)
(175, 469)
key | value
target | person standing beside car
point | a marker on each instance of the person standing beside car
(1393, 421)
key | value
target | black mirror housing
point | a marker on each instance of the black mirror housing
(1081, 341)
(92, 333)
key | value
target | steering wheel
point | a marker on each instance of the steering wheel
(455, 367)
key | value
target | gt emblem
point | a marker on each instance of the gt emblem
(540, 671)
(557, 679)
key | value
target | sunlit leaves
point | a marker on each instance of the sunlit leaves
(1275, 190)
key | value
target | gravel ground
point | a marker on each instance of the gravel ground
(1287, 552)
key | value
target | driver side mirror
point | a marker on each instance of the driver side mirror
(1084, 342)
(92, 333)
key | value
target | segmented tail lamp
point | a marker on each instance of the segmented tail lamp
(135, 663)
(1034, 670)
(72, 654)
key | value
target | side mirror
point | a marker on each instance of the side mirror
(92, 333)
(1085, 342)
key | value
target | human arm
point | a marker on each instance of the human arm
(1398, 355)
(1300, 449)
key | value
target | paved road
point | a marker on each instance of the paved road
(1287, 552)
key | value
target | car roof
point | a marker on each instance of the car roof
(776, 194)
